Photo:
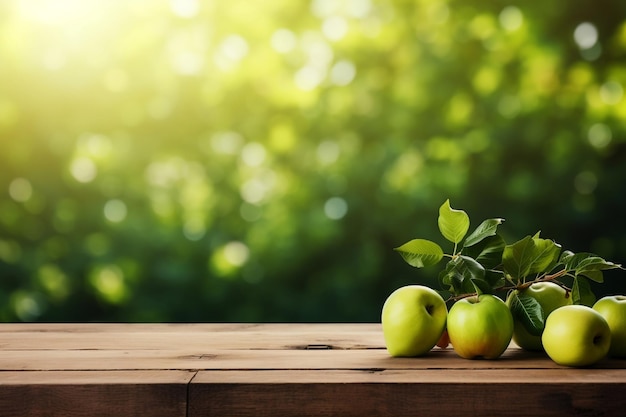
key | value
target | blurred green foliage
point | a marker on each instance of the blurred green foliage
(258, 161)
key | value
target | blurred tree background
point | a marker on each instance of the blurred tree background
(237, 160)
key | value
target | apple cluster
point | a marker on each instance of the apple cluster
(548, 304)
(415, 318)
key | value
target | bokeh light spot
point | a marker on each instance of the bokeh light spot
(335, 27)
(342, 73)
(115, 210)
(328, 152)
(283, 41)
(335, 208)
(109, 283)
(20, 190)
(253, 154)
(611, 92)
(585, 182)
(236, 253)
(250, 212)
(229, 258)
(83, 169)
(324, 8)
(185, 8)
(256, 189)
(27, 305)
(308, 78)
(54, 281)
(194, 229)
(599, 135)
(586, 35)
(511, 18)
(359, 9)
(509, 106)
(231, 51)
(227, 143)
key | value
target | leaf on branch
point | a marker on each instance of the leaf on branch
(582, 293)
(460, 274)
(546, 253)
(494, 278)
(488, 252)
(566, 257)
(481, 286)
(484, 230)
(530, 255)
(587, 264)
(528, 311)
(420, 253)
(453, 224)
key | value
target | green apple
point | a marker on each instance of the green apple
(576, 335)
(413, 320)
(550, 297)
(480, 326)
(613, 309)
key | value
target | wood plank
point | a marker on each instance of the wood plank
(189, 336)
(408, 393)
(110, 393)
(265, 359)
(565, 376)
(17, 360)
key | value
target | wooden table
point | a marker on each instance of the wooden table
(279, 370)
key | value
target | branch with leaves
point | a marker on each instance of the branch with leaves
(483, 263)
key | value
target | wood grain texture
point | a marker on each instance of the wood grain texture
(189, 336)
(406, 399)
(279, 369)
(89, 393)
(409, 392)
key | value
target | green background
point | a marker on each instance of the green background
(259, 160)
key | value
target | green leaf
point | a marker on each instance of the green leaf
(460, 274)
(566, 257)
(481, 286)
(530, 255)
(453, 224)
(596, 276)
(515, 257)
(420, 253)
(587, 264)
(527, 310)
(546, 252)
(494, 278)
(571, 260)
(484, 230)
(488, 252)
(582, 293)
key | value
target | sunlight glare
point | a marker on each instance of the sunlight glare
(185, 8)
(56, 12)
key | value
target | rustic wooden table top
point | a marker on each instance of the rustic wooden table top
(279, 370)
